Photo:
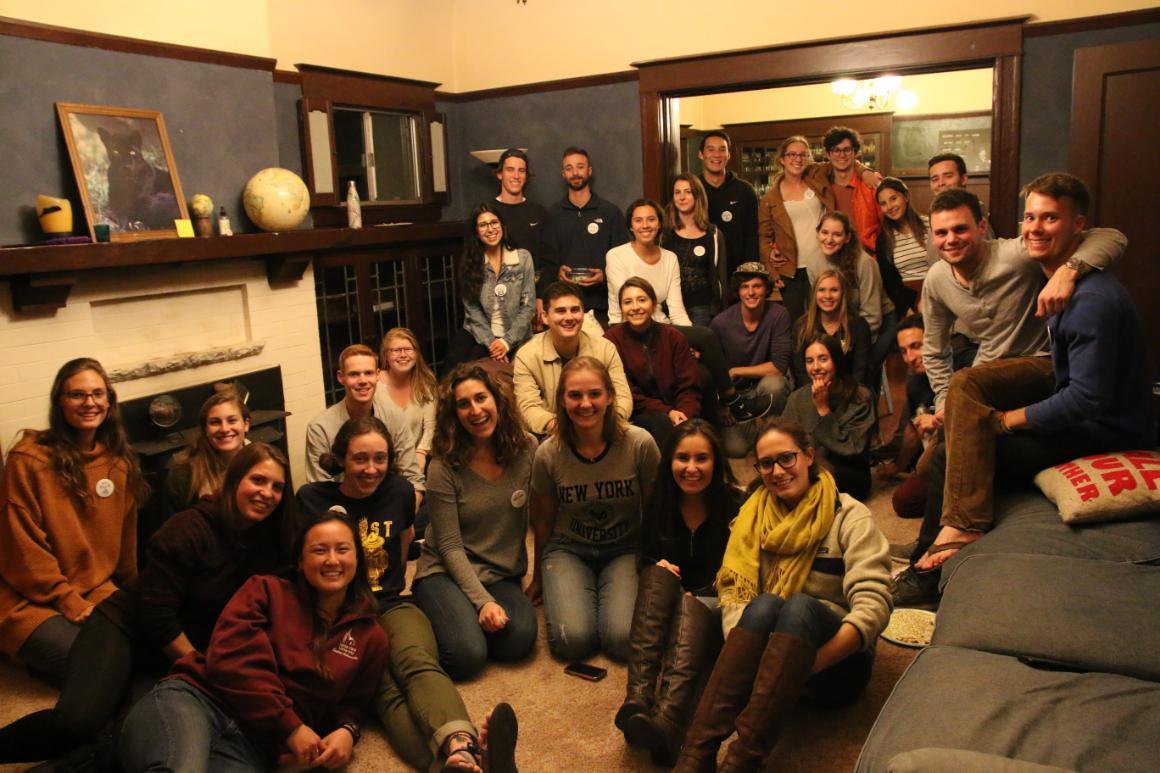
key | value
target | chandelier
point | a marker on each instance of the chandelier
(874, 94)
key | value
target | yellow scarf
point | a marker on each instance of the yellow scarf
(765, 526)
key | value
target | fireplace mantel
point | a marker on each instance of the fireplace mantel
(42, 277)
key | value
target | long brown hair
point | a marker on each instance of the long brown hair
(910, 217)
(62, 440)
(613, 428)
(359, 596)
(808, 324)
(281, 523)
(847, 258)
(700, 203)
(422, 378)
(206, 465)
(453, 444)
(843, 387)
(802, 439)
(333, 461)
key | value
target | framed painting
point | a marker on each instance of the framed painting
(124, 169)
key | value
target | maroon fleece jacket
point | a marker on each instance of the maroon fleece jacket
(260, 664)
(662, 373)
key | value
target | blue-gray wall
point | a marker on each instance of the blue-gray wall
(221, 121)
(605, 120)
(1045, 118)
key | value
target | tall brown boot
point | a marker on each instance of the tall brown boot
(656, 597)
(725, 695)
(783, 672)
(694, 641)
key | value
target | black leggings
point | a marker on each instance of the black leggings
(705, 341)
(95, 680)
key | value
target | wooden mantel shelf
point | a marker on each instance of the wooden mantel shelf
(41, 277)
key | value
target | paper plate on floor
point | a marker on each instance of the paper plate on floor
(910, 627)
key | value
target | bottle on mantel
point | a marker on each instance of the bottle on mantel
(353, 207)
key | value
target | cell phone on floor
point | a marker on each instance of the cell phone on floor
(585, 671)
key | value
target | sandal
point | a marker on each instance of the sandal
(474, 754)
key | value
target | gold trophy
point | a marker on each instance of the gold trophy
(374, 545)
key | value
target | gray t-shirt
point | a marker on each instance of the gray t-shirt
(599, 502)
(478, 526)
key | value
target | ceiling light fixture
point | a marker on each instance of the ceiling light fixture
(873, 94)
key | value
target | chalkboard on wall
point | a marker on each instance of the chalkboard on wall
(914, 139)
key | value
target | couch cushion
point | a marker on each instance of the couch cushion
(1083, 612)
(965, 699)
(1027, 522)
(961, 761)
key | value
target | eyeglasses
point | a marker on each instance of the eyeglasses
(785, 461)
(488, 225)
(80, 397)
(843, 151)
(798, 156)
(401, 350)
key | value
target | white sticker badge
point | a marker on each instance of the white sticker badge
(699, 251)
(519, 498)
(726, 217)
(593, 228)
(500, 290)
(105, 488)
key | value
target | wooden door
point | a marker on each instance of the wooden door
(1115, 147)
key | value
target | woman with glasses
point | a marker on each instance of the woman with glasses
(837, 412)
(830, 314)
(805, 592)
(197, 471)
(68, 541)
(410, 384)
(699, 247)
(590, 481)
(497, 285)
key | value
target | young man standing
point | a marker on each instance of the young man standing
(854, 196)
(540, 361)
(526, 223)
(993, 288)
(755, 338)
(358, 372)
(732, 201)
(584, 227)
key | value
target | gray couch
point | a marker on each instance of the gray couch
(1046, 653)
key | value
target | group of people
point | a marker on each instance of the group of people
(275, 622)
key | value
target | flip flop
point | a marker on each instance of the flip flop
(943, 547)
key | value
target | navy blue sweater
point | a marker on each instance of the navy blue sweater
(1101, 369)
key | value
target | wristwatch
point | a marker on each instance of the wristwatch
(1077, 265)
(353, 729)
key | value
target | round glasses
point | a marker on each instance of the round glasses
(785, 460)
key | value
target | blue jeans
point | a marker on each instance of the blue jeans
(589, 594)
(178, 728)
(701, 315)
(808, 619)
(464, 647)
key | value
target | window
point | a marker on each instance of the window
(378, 150)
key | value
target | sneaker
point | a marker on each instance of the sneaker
(903, 552)
(917, 590)
(749, 408)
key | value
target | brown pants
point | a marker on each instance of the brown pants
(974, 399)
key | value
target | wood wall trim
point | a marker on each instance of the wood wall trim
(1007, 102)
(1105, 21)
(48, 33)
(523, 89)
(288, 76)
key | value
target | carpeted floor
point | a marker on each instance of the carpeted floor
(566, 723)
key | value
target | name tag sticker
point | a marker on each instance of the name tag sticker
(519, 498)
(500, 290)
(593, 228)
(699, 251)
(105, 488)
(726, 217)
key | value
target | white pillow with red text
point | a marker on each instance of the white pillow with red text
(1104, 487)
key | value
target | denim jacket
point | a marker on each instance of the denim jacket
(517, 306)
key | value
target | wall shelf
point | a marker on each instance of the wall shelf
(41, 277)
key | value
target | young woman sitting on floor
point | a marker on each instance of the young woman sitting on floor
(197, 471)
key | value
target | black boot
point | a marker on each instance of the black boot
(725, 695)
(657, 593)
(785, 667)
(693, 643)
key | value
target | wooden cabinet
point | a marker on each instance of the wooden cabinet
(755, 145)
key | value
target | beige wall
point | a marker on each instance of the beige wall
(951, 92)
(476, 44)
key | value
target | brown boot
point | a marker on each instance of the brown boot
(783, 672)
(725, 695)
(656, 597)
(694, 641)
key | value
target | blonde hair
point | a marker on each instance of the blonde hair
(810, 320)
(613, 427)
(422, 378)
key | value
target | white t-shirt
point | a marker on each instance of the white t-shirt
(622, 262)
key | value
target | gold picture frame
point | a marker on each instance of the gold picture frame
(124, 169)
